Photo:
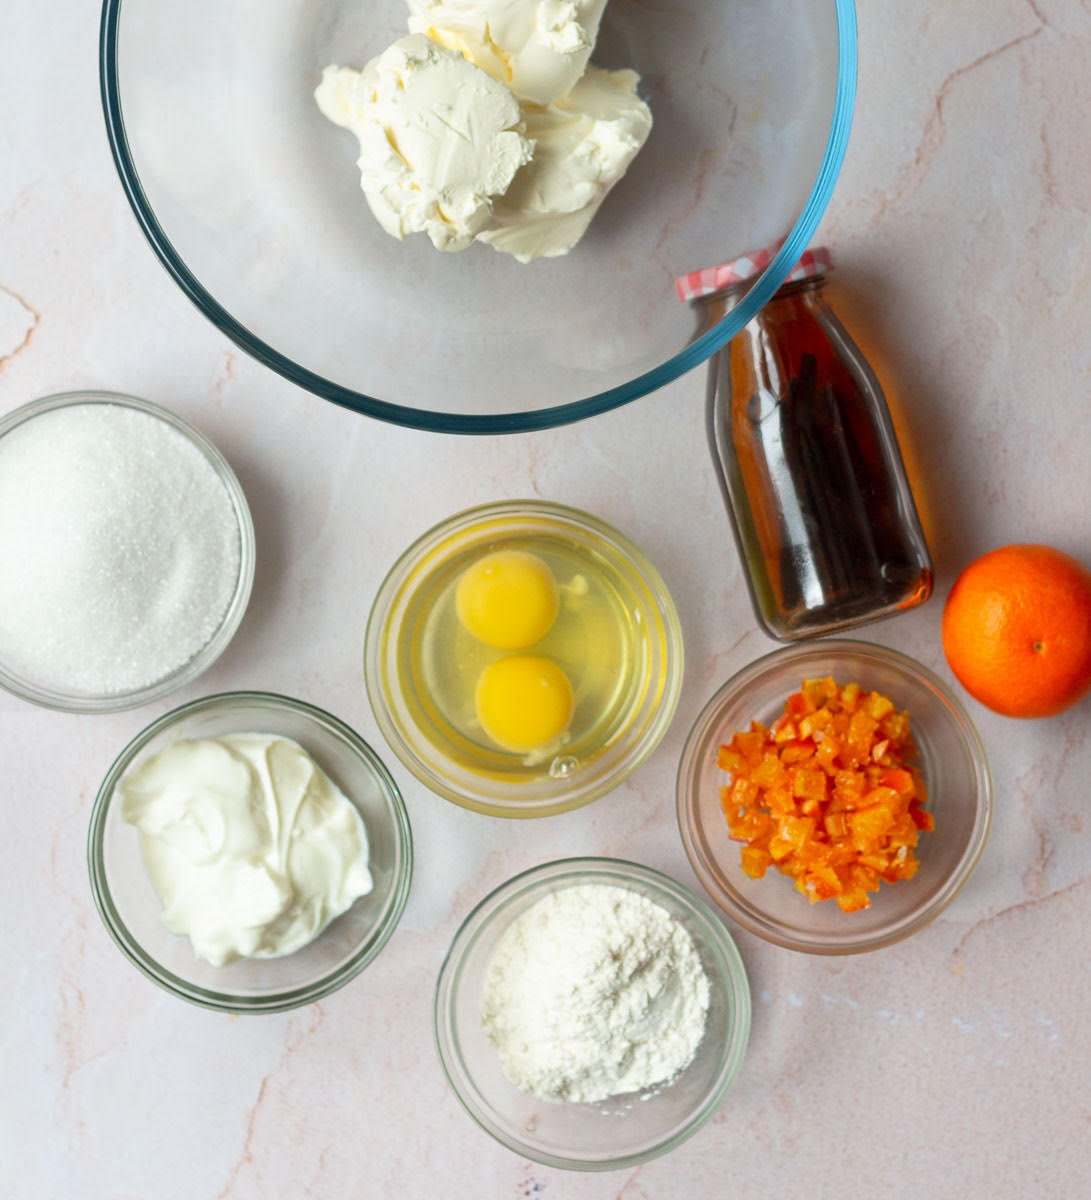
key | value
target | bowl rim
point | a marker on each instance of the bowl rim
(689, 772)
(59, 701)
(617, 872)
(690, 356)
(223, 1001)
(409, 753)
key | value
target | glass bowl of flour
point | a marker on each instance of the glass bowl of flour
(592, 1014)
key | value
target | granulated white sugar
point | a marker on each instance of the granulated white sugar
(119, 549)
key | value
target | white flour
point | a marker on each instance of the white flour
(594, 992)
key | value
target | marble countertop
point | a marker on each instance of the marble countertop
(952, 1065)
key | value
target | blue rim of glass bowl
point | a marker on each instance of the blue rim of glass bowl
(516, 422)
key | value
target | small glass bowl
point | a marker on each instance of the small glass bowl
(952, 760)
(87, 702)
(490, 789)
(131, 910)
(611, 1134)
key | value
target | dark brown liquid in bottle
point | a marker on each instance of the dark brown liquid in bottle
(812, 471)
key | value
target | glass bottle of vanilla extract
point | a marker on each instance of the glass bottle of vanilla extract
(808, 460)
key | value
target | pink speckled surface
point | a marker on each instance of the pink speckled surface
(954, 1065)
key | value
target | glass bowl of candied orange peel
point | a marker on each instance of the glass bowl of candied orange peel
(834, 798)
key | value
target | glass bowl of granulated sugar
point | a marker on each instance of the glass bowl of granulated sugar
(592, 1014)
(126, 552)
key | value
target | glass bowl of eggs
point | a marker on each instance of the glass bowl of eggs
(523, 658)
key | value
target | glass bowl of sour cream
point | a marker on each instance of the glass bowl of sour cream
(251, 198)
(281, 862)
(571, 958)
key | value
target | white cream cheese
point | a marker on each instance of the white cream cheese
(584, 144)
(488, 124)
(539, 48)
(438, 138)
(251, 848)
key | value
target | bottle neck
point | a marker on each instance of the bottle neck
(714, 308)
(800, 287)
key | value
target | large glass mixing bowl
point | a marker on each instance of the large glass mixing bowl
(251, 200)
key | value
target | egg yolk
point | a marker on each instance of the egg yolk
(507, 599)
(523, 702)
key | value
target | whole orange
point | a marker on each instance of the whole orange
(1017, 630)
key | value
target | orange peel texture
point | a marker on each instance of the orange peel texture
(828, 794)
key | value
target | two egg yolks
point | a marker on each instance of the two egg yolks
(509, 600)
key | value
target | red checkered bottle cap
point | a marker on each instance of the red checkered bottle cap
(698, 284)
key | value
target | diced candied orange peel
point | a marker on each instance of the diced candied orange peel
(828, 794)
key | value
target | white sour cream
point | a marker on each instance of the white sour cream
(251, 848)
